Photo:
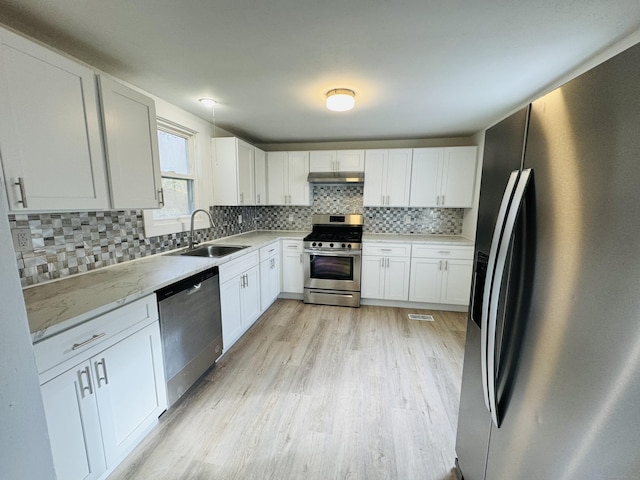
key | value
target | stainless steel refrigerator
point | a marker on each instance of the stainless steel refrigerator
(551, 376)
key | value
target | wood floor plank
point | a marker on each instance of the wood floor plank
(318, 392)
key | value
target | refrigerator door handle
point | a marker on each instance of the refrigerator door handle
(501, 264)
(491, 265)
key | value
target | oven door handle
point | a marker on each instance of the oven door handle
(334, 253)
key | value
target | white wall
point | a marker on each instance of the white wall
(470, 218)
(24, 441)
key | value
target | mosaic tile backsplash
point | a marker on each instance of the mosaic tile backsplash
(68, 243)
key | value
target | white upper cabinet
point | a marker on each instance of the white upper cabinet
(50, 139)
(277, 181)
(336, 161)
(387, 177)
(131, 141)
(443, 177)
(426, 176)
(260, 162)
(322, 161)
(350, 160)
(233, 172)
(298, 171)
(287, 174)
(459, 176)
(246, 173)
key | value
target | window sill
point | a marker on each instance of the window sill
(156, 228)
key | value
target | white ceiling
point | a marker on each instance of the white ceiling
(420, 68)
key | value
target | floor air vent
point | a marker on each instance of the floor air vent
(425, 318)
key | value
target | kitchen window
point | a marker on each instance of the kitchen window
(176, 166)
(178, 169)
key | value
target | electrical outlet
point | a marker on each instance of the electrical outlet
(21, 239)
(407, 219)
(291, 217)
(240, 219)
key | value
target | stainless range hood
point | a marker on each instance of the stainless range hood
(335, 177)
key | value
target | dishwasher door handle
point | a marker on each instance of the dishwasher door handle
(194, 289)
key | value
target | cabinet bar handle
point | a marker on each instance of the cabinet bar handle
(442, 199)
(381, 262)
(161, 196)
(89, 340)
(81, 383)
(444, 251)
(440, 268)
(385, 249)
(388, 199)
(446, 265)
(387, 262)
(258, 199)
(104, 371)
(23, 192)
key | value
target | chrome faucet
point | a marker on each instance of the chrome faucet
(192, 244)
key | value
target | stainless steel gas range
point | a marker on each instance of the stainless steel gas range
(333, 260)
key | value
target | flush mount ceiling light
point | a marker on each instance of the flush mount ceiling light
(340, 99)
(208, 102)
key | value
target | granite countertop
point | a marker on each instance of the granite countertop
(58, 305)
(416, 238)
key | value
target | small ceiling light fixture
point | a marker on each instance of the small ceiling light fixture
(340, 99)
(208, 102)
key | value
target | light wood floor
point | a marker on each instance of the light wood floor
(316, 392)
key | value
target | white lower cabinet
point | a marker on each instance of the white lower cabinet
(102, 394)
(126, 389)
(441, 274)
(239, 296)
(385, 271)
(269, 274)
(74, 425)
(292, 266)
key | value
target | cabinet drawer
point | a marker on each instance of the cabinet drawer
(387, 249)
(269, 251)
(442, 251)
(291, 246)
(236, 267)
(97, 331)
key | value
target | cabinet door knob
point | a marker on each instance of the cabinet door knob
(83, 388)
(104, 372)
(23, 192)
(89, 340)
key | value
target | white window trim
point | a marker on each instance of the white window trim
(154, 227)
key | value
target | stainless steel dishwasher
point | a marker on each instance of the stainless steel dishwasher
(191, 330)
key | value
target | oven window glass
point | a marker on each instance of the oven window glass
(331, 268)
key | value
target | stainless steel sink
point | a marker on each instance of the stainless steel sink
(213, 251)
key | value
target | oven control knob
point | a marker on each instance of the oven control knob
(343, 245)
(331, 245)
(313, 244)
(320, 244)
(349, 246)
